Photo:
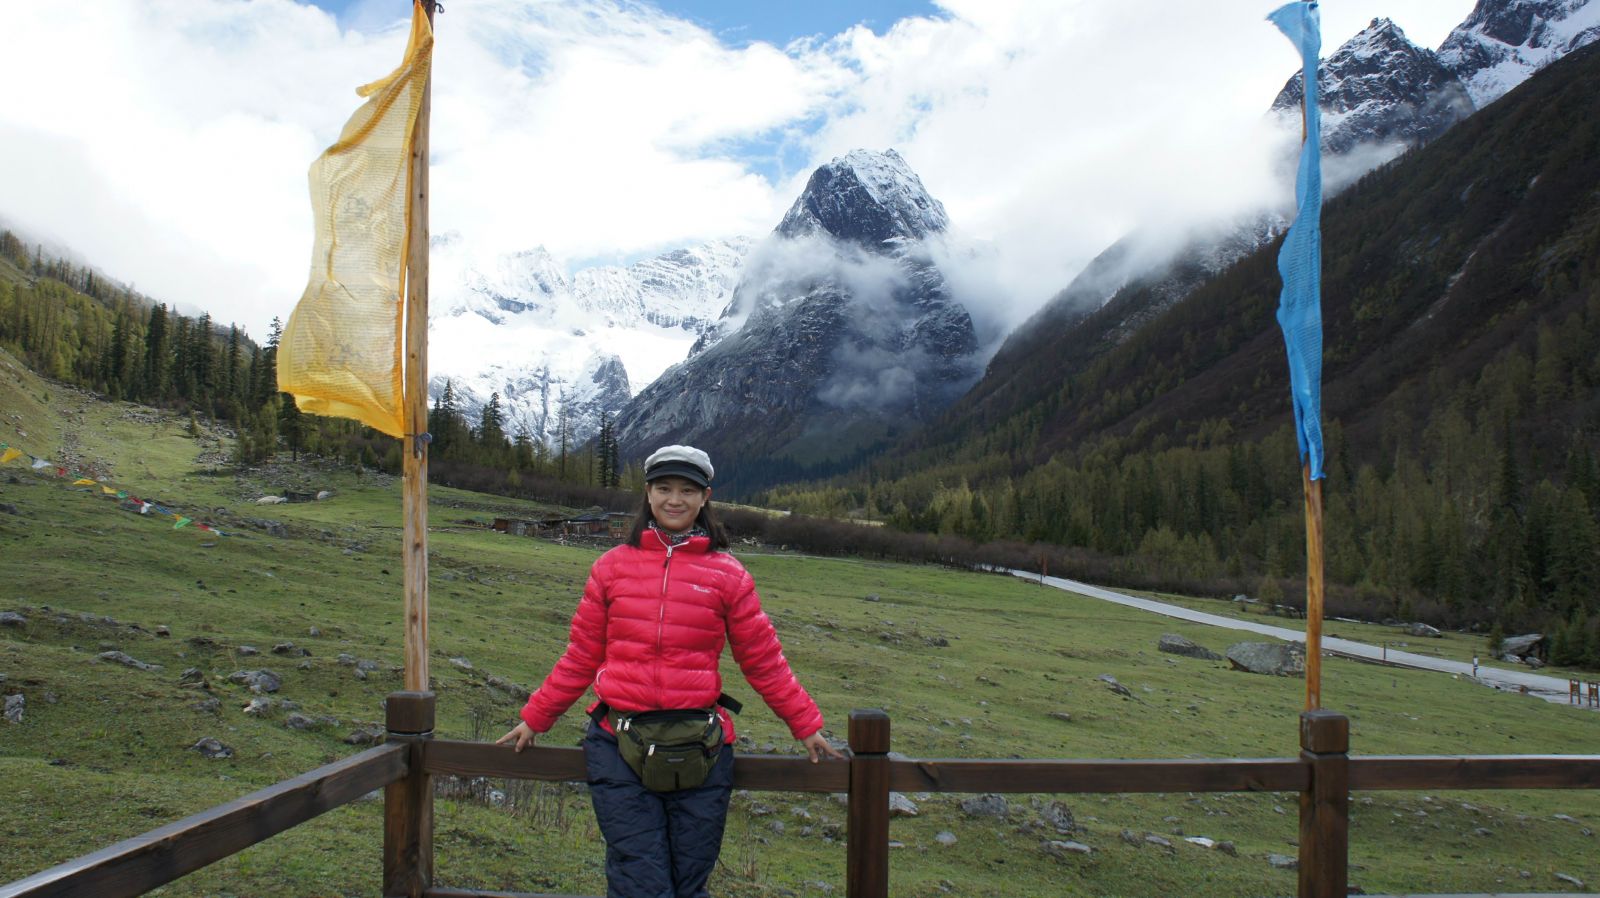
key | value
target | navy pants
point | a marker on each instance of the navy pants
(658, 844)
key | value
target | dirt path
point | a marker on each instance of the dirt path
(1548, 688)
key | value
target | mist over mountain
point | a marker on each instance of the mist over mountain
(1379, 95)
(841, 333)
(560, 348)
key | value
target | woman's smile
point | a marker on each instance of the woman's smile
(676, 502)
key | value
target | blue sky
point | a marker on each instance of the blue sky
(735, 22)
(738, 21)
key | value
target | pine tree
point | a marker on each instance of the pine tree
(232, 365)
(266, 384)
(445, 423)
(563, 438)
(608, 472)
(491, 425)
(157, 356)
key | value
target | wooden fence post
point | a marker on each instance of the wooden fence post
(1325, 805)
(408, 803)
(867, 854)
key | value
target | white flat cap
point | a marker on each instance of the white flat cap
(679, 461)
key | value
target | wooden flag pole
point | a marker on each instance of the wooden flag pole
(415, 468)
(1313, 491)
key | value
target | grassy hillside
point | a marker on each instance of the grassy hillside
(101, 751)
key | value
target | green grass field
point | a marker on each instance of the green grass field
(101, 752)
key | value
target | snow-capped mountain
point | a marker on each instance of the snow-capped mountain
(580, 346)
(1379, 87)
(841, 329)
(1504, 41)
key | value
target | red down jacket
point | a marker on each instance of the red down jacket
(649, 632)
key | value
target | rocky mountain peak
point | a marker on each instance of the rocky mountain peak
(868, 198)
(1379, 86)
(1504, 41)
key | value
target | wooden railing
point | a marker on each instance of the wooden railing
(1324, 775)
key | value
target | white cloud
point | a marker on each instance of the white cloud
(167, 140)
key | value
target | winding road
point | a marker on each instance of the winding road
(1548, 688)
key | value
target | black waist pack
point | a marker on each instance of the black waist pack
(669, 750)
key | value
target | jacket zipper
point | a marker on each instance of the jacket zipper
(661, 616)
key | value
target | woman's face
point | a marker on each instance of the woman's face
(675, 501)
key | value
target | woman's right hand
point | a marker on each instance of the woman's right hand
(522, 737)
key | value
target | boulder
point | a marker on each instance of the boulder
(1114, 686)
(367, 735)
(1063, 849)
(1281, 659)
(520, 693)
(1533, 662)
(989, 805)
(298, 721)
(901, 806)
(1520, 645)
(127, 661)
(1058, 816)
(945, 838)
(1174, 644)
(1422, 629)
(12, 619)
(1283, 862)
(13, 710)
(290, 649)
(209, 747)
(462, 663)
(257, 680)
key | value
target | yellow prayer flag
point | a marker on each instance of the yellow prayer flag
(83, 481)
(340, 353)
(108, 490)
(9, 455)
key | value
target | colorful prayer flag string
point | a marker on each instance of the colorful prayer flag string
(10, 453)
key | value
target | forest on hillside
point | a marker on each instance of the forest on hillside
(72, 324)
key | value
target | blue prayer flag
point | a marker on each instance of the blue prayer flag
(1300, 259)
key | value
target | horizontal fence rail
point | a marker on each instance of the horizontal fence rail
(479, 893)
(1187, 775)
(1374, 772)
(762, 773)
(137, 865)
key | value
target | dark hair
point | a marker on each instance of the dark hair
(706, 520)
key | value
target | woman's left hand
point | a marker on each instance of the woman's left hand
(817, 746)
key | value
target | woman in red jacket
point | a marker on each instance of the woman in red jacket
(648, 635)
